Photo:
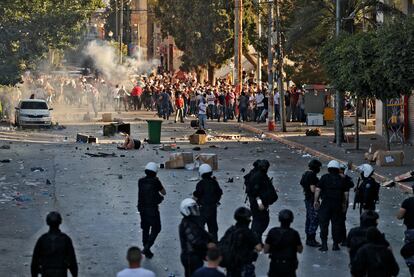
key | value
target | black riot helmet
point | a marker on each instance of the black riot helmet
(54, 219)
(263, 165)
(243, 215)
(286, 216)
(369, 219)
(315, 165)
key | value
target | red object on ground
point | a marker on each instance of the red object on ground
(271, 125)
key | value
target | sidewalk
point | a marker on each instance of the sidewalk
(323, 148)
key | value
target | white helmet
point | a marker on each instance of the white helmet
(151, 166)
(205, 168)
(189, 207)
(366, 170)
(344, 167)
(334, 164)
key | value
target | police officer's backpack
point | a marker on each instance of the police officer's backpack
(227, 246)
(269, 195)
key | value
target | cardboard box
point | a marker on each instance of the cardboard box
(107, 117)
(179, 160)
(82, 138)
(198, 139)
(389, 158)
(210, 159)
(314, 119)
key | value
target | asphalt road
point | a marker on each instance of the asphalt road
(97, 198)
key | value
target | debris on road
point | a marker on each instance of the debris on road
(196, 148)
(313, 132)
(199, 137)
(82, 138)
(5, 161)
(101, 155)
(210, 159)
(5, 146)
(37, 169)
(179, 160)
(408, 176)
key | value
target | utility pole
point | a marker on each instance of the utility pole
(282, 109)
(121, 32)
(116, 21)
(339, 102)
(259, 56)
(238, 38)
(270, 76)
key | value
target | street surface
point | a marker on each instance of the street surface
(97, 197)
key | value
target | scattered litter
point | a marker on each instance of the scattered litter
(404, 177)
(5, 147)
(122, 156)
(5, 161)
(225, 148)
(101, 155)
(213, 146)
(388, 184)
(230, 180)
(306, 156)
(120, 176)
(259, 150)
(32, 184)
(196, 148)
(21, 198)
(277, 157)
(243, 170)
(193, 179)
(37, 169)
(316, 265)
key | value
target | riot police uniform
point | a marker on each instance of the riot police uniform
(208, 194)
(149, 198)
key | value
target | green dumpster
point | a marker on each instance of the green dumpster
(154, 131)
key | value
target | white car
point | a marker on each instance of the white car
(33, 112)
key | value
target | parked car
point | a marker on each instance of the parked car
(33, 112)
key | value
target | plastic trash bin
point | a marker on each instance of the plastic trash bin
(154, 131)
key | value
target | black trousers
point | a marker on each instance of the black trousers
(282, 268)
(151, 227)
(137, 102)
(330, 213)
(208, 215)
(191, 263)
(260, 220)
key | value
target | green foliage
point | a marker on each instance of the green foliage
(30, 28)
(204, 29)
(313, 23)
(378, 63)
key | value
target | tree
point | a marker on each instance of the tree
(204, 29)
(378, 63)
(30, 28)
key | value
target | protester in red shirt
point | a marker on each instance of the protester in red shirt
(136, 97)
(179, 108)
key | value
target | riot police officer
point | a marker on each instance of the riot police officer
(193, 238)
(332, 191)
(240, 245)
(283, 243)
(308, 182)
(54, 254)
(150, 195)
(367, 192)
(207, 195)
(261, 194)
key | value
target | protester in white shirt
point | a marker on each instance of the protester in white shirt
(134, 257)
(277, 105)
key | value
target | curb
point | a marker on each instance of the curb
(317, 153)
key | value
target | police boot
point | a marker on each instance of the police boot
(324, 246)
(147, 252)
(311, 241)
(335, 247)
